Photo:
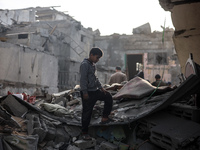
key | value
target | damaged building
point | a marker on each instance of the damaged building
(144, 50)
(46, 54)
(46, 31)
(27, 33)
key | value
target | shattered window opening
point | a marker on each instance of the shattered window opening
(82, 38)
(22, 36)
(157, 58)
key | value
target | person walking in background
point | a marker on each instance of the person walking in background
(158, 81)
(91, 91)
(118, 76)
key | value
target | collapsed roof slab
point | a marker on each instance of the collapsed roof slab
(126, 115)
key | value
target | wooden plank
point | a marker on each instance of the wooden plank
(49, 34)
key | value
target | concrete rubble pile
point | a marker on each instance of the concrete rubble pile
(142, 121)
(145, 117)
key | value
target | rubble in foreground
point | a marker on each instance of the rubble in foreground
(144, 121)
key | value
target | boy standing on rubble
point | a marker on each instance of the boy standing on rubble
(91, 91)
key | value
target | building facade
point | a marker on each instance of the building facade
(43, 48)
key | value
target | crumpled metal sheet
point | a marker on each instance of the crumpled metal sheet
(147, 106)
(14, 107)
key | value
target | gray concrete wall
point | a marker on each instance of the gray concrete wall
(116, 48)
(20, 15)
(69, 42)
(27, 69)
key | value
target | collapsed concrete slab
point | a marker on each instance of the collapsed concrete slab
(54, 131)
(14, 107)
(171, 132)
(138, 88)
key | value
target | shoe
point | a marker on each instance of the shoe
(86, 137)
(107, 121)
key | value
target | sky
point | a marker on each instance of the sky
(109, 16)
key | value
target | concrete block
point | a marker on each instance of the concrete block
(13, 106)
(176, 134)
(85, 144)
(185, 111)
(143, 29)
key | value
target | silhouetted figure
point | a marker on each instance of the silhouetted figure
(158, 81)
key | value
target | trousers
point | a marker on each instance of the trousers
(89, 103)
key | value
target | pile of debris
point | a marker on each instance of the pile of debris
(167, 119)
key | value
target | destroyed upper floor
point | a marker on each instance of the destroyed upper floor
(66, 42)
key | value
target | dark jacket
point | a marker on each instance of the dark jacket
(156, 83)
(88, 78)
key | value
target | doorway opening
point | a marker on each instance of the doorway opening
(134, 61)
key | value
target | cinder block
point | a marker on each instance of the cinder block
(85, 144)
(185, 111)
(176, 134)
(13, 106)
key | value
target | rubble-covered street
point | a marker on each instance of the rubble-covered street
(142, 121)
(41, 50)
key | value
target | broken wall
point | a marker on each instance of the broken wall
(20, 15)
(78, 41)
(50, 14)
(56, 33)
(185, 17)
(71, 43)
(24, 69)
(117, 47)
